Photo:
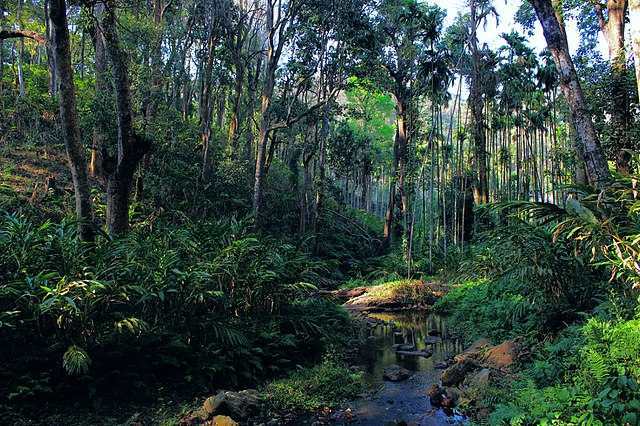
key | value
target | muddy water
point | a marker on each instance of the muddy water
(393, 402)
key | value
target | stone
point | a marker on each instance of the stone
(435, 394)
(453, 395)
(434, 332)
(474, 350)
(501, 356)
(423, 353)
(456, 373)
(240, 405)
(480, 379)
(441, 365)
(395, 373)
(432, 340)
(403, 347)
(223, 421)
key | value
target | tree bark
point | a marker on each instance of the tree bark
(51, 59)
(205, 107)
(634, 20)
(613, 28)
(131, 147)
(69, 117)
(99, 137)
(6, 34)
(476, 104)
(587, 140)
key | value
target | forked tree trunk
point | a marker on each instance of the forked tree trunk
(131, 147)
(587, 140)
(69, 117)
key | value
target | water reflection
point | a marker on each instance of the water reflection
(407, 400)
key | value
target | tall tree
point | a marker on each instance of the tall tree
(69, 116)
(588, 143)
(131, 147)
(634, 20)
(479, 12)
(612, 25)
(403, 34)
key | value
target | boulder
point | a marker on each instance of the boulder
(456, 373)
(395, 373)
(435, 394)
(501, 356)
(479, 379)
(452, 397)
(223, 421)
(240, 405)
(474, 351)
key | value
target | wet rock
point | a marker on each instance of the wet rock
(239, 405)
(453, 396)
(435, 394)
(403, 347)
(432, 340)
(424, 353)
(395, 373)
(456, 373)
(441, 365)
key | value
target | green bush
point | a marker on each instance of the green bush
(324, 385)
(181, 299)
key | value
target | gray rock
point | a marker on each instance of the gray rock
(432, 340)
(456, 373)
(403, 347)
(480, 379)
(424, 353)
(238, 405)
(395, 373)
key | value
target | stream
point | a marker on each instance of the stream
(404, 401)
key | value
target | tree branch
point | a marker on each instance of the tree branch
(5, 34)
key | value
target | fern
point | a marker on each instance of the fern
(76, 361)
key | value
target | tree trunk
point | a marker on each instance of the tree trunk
(99, 137)
(267, 93)
(131, 147)
(614, 30)
(69, 117)
(205, 107)
(588, 143)
(391, 203)
(51, 58)
(634, 20)
(477, 114)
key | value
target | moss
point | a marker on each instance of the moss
(404, 291)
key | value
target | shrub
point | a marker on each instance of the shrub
(309, 389)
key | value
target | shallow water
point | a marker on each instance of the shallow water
(406, 401)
